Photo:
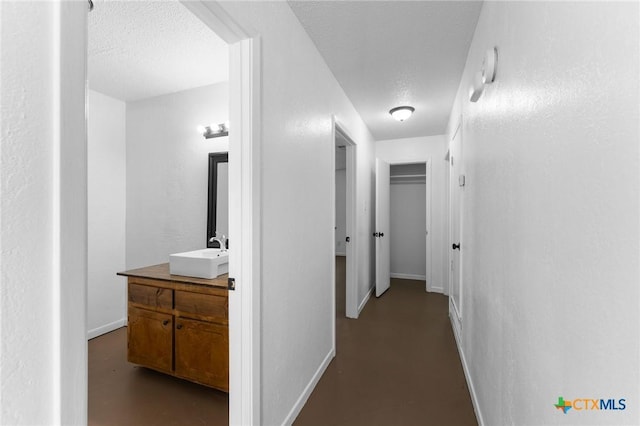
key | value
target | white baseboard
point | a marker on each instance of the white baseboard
(341, 254)
(99, 331)
(465, 368)
(365, 299)
(306, 393)
(436, 290)
(408, 276)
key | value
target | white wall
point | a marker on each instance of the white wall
(26, 215)
(43, 228)
(299, 95)
(341, 212)
(407, 230)
(106, 175)
(416, 150)
(167, 169)
(550, 243)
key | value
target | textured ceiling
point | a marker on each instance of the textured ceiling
(390, 53)
(141, 49)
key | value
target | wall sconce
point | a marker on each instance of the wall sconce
(486, 76)
(477, 88)
(214, 131)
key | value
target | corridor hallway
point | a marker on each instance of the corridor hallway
(396, 365)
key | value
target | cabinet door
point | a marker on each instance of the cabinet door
(202, 352)
(150, 337)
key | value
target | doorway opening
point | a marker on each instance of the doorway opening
(244, 201)
(345, 225)
(408, 224)
(403, 223)
(147, 198)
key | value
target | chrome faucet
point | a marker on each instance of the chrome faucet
(222, 241)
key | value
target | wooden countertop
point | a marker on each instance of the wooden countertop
(161, 272)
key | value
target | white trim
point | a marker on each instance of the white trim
(69, 217)
(245, 171)
(352, 221)
(401, 276)
(365, 300)
(446, 276)
(428, 246)
(107, 328)
(465, 368)
(437, 290)
(341, 254)
(216, 18)
(352, 226)
(306, 393)
(428, 278)
(332, 267)
(245, 400)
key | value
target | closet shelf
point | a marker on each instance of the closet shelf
(407, 176)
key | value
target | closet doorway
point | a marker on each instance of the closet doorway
(410, 220)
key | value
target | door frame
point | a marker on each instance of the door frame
(245, 76)
(351, 228)
(429, 286)
(69, 328)
(429, 252)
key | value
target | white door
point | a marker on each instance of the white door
(381, 233)
(455, 182)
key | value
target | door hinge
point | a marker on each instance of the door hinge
(461, 180)
(231, 283)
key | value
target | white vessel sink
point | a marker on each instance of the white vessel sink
(205, 263)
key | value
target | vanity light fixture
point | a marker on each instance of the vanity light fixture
(214, 131)
(401, 113)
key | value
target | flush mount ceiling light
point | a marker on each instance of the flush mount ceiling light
(401, 113)
(214, 131)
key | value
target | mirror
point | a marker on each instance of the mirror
(218, 204)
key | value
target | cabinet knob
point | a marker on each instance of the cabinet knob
(179, 326)
(165, 322)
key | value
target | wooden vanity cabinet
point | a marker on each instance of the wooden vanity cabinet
(207, 364)
(179, 328)
(150, 339)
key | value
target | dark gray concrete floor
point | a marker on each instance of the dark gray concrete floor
(124, 394)
(396, 365)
